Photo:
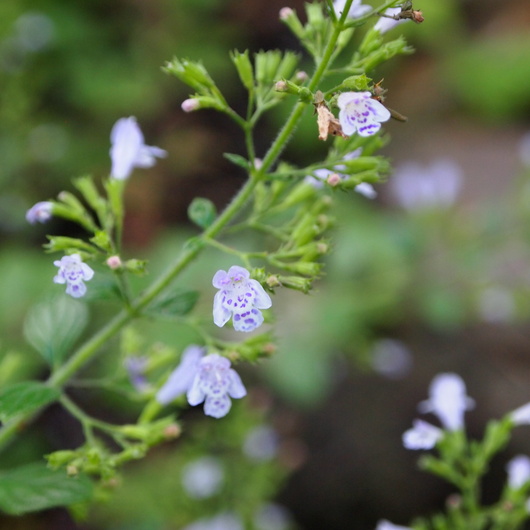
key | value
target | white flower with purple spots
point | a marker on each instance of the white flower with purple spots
(215, 383)
(74, 273)
(40, 212)
(360, 113)
(129, 150)
(239, 297)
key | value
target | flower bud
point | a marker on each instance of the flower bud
(289, 17)
(114, 263)
(333, 180)
(301, 77)
(190, 104)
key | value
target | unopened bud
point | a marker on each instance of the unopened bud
(172, 431)
(417, 16)
(273, 281)
(233, 355)
(301, 77)
(258, 163)
(285, 13)
(269, 348)
(334, 180)
(72, 470)
(114, 262)
(189, 105)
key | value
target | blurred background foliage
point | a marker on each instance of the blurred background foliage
(407, 292)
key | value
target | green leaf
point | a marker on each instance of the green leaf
(238, 160)
(22, 398)
(35, 487)
(53, 327)
(202, 212)
(177, 303)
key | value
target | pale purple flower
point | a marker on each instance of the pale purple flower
(521, 415)
(40, 212)
(321, 175)
(448, 400)
(518, 469)
(387, 525)
(360, 113)
(181, 379)
(391, 358)
(128, 149)
(135, 367)
(240, 297)
(73, 272)
(423, 435)
(434, 186)
(203, 478)
(272, 517)
(261, 443)
(357, 9)
(385, 24)
(215, 383)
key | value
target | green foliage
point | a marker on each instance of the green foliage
(35, 487)
(25, 398)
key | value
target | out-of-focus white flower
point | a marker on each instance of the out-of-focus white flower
(521, 415)
(357, 9)
(448, 400)
(387, 525)
(272, 517)
(223, 521)
(518, 469)
(435, 186)
(40, 212)
(496, 304)
(203, 478)
(423, 435)
(360, 113)
(391, 358)
(385, 24)
(128, 149)
(261, 443)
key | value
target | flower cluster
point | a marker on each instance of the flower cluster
(239, 297)
(74, 273)
(208, 379)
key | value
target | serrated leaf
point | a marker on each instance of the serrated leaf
(238, 160)
(53, 327)
(34, 487)
(22, 398)
(177, 303)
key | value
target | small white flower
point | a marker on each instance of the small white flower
(73, 272)
(385, 24)
(129, 150)
(40, 212)
(434, 186)
(423, 435)
(518, 469)
(521, 415)
(387, 525)
(261, 443)
(360, 113)
(203, 478)
(239, 297)
(181, 378)
(357, 9)
(448, 400)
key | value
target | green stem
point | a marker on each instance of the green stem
(90, 349)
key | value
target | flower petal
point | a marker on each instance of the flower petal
(217, 406)
(236, 389)
(221, 315)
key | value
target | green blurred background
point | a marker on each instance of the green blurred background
(407, 294)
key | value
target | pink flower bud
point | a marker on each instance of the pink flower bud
(333, 180)
(189, 105)
(114, 262)
(285, 13)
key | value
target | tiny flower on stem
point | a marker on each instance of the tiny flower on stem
(448, 400)
(129, 150)
(215, 383)
(40, 212)
(387, 525)
(239, 297)
(181, 379)
(423, 435)
(73, 272)
(518, 469)
(360, 113)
